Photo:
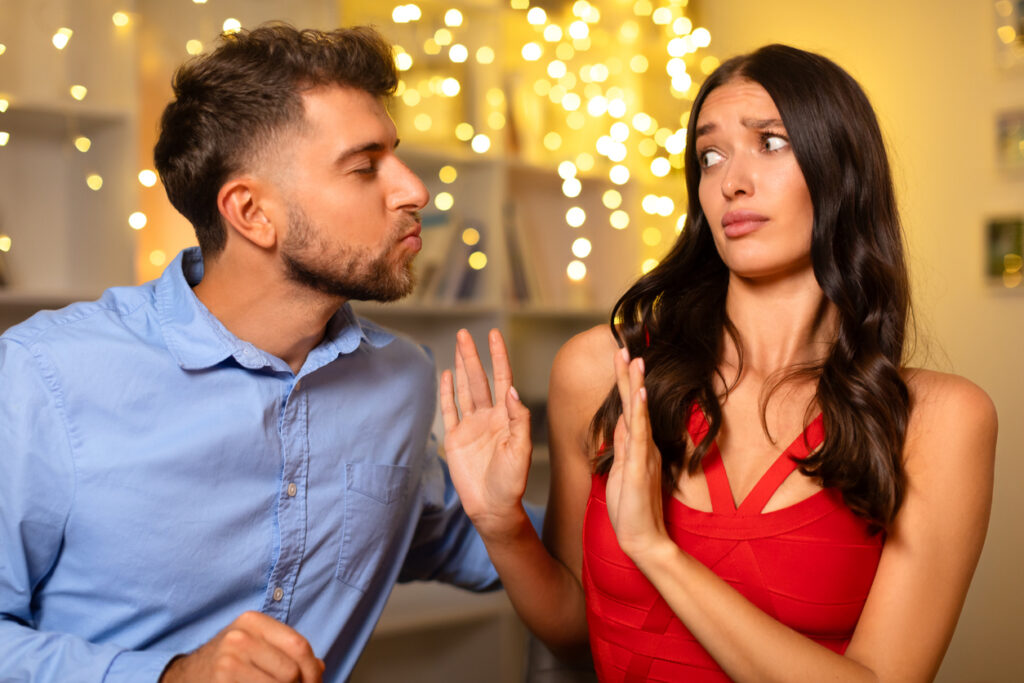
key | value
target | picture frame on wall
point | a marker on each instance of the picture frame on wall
(1004, 249)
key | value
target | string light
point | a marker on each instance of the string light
(5, 137)
(157, 257)
(447, 174)
(478, 260)
(481, 143)
(94, 181)
(4, 103)
(147, 177)
(194, 47)
(5, 243)
(444, 201)
(78, 92)
(576, 270)
(231, 25)
(120, 19)
(581, 247)
(648, 265)
(453, 17)
(83, 144)
(137, 220)
(61, 37)
(470, 236)
(3, 48)
(575, 217)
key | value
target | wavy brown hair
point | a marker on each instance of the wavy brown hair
(229, 106)
(675, 317)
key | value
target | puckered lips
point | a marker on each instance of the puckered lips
(740, 222)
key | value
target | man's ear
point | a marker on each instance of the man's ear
(242, 201)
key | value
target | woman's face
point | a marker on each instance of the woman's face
(751, 188)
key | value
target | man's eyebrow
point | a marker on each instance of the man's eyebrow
(369, 147)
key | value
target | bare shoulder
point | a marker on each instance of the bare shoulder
(584, 364)
(948, 414)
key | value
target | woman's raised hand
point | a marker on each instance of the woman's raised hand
(634, 490)
(488, 448)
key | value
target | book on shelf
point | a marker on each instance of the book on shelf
(439, 231)
(526, 281)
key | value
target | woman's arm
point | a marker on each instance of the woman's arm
(488, 453)
(922, 579)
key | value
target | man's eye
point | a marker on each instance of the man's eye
(709, 158)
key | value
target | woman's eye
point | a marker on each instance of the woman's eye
(709, 158)
(774, 143)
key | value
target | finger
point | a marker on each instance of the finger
(282, 638)
(639, 430)
(622, 380)
(449, 411)
(500, 363)
(519, 420)
(479, 387)
(466, 403)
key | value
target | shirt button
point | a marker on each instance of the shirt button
(292, 489)
(278, 594)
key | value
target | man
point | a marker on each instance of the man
(219, 475)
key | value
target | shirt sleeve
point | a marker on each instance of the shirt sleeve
(446, 546)
(36, 493)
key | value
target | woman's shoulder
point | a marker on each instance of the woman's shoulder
(948, 413)
(587, 357)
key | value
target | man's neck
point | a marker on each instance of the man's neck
(260, 306)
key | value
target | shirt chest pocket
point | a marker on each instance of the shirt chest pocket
(372, 499)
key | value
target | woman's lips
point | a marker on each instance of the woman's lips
(740, 223)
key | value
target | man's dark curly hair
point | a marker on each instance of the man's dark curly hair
(231, 103)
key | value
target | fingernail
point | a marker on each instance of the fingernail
(640, 363)
(643, 394)
(624, 353)
(515, 394)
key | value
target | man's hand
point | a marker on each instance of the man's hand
(253, 648)
(488, 448)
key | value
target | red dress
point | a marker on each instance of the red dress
(809, 565)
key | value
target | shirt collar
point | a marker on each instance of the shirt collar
(198, 340)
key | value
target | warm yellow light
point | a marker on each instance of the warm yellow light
(453, 17)
(443, 37)
(447, 174)
(619, 174)
(676, 143)
(231, 25)
(478, 260)
(662, 16)
(702, 37)
(3, 48)
(552, 33)
(680, 223)
(648, 265)
(444, 201)
(147, 177)
(495, 97)
(565, 51)
(597, 106)
(78, 92)
(403, 61)
(575, 217)
(5, 137)
(676, 67)
(651, 237)
(648, 147)
(5, 242)
(649, 204)
(137, 220)
(576, 270)
(194, 47)
(61, 37)
(556, 68)
(660, 167)
(94, 181)
(571, 102)
(581, 247)
(485, 55)
(638, 64)
(1006, 33)
(682, 83)
(532, 52)
(470, 236)
(520, 4)
(82, 143)
(619, 219)
(682, 26)
(611, 199)
(450, 87)
(422, 122)
(464, 131)
(665, 206)
(403, 14)
(536, 16)
(572, 187)
(411, 97)
(578, 30)
(120, 19)
(619, 131)
(458, 53)
(542, 87)
(585, 161)
(566, 170)
(431, 47)
(481, 143)
(496, 120)
(1004, 8)
(575, 120)
(157, 257)
(1012, 263)
(709, 64)
(199, 2)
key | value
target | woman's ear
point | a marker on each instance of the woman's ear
(242, 201)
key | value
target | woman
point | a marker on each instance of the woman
(678, 538)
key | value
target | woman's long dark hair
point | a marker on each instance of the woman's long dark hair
(675, 318)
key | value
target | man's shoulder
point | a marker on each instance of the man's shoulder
(395, 344)
(82, 321)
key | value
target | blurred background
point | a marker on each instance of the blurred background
(550, 135)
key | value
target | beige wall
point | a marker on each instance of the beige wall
(930, 70)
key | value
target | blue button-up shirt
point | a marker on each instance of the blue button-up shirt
(160, 476)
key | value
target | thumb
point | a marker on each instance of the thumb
(518, 417)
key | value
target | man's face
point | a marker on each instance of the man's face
(352, 221)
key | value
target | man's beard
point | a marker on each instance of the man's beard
(352, 273)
